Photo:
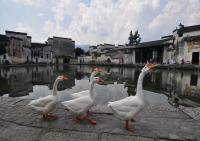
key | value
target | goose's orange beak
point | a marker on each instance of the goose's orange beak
(98, 69)
(65, 78)
(150, 66)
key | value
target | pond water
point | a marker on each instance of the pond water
(161, 87)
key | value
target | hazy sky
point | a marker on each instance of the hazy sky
(97, 21)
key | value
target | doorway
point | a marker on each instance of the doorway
(195, 58)
(66, 60)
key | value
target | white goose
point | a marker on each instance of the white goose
(80, 106)
(45, 105)
(86, 92)
(127, 108)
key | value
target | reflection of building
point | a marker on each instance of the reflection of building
(180, 87)
(63, 49)
(183, 86)
(42, 75)
(18, 81)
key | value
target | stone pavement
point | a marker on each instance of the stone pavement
(19, 123)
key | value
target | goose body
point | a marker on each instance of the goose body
(80, 94)
(85, 92)
(127, 108)
(45, 105)
(80, 106)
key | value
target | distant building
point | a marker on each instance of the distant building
(41, 53)
(19, 47)
(153, 51)
(187, 44)
(4, 43)
(63, 49)
(102, 48)
(93, 50)
(183, 46)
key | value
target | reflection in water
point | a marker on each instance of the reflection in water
(180, 87)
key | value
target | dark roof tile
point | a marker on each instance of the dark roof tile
(187, 29)
(16, 32)
(191, 38)
(4, 38)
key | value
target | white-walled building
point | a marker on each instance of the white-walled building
(19, 47)
(187, 44)
(93, 50)
(41, 53)
(4, 43)
(63, 49)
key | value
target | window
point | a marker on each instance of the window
(180, 35)
(4, 56)
(194, 79)
(47, 56)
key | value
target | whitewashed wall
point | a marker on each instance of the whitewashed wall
(2, 60)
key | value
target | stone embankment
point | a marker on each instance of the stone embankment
(155, 123)
(159, 66)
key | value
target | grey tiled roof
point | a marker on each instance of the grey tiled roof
(192, 38)
(38, 45)
(16, 32)
(154, 43)
(187, 29)
(4, 38)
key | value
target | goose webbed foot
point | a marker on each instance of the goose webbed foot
(129, 128)
(49, 117)
(91, 121)
(80, 118)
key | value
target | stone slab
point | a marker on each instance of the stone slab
(114, 137)
(13, 132)
(153, 123)
(192, 112)
(69, 136)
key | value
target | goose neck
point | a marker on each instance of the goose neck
(55, 85)
(139, 84)
(92, 75)
(92, 89)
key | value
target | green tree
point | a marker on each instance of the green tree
(79, 52)
(134, 39)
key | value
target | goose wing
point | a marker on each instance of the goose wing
(80, 94)
(125, 108)
(79, 105)
(43, 101)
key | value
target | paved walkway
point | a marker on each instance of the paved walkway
(20, 123)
